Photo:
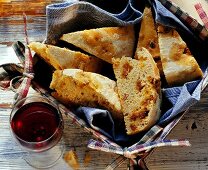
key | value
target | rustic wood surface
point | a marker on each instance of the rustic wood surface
(74, 139)
(193, 126)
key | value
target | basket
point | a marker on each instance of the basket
(65, 17)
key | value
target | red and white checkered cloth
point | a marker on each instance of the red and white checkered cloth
(28, 74)
(186, 18)
(202, 14)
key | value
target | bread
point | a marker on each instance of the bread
(138, 83)
(148, 37)
(179, 65)
(71, 159)
(62, 58)
(104, 43)
(74, 86)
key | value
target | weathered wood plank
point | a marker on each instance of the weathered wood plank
(193, 127)
(17, 7)
(75, 138)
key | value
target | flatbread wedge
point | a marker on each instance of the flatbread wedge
(104, 43)
(74, 86)
(62, 58)
(148, 37)
(139, 89)
(179, 65)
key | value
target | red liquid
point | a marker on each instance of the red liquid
(36, 122)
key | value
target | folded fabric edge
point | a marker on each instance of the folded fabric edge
(186, 18)
(81, 4)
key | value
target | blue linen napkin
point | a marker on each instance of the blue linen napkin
(68, 17)
(98, 119)
(73, 16)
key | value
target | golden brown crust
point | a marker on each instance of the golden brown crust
(71, 159)
(73, 86)
(148, 37)
(104, 43)
(178, 63)
(148, 34)
(139, 90)
(62, 58)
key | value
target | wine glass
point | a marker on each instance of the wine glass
(37, 125)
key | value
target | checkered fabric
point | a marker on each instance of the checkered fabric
(27, 74)
(202, 14)
(182, 15)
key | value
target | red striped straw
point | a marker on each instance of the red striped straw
(202, 14)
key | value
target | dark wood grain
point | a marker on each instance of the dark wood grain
(30, 7)
(11, 19)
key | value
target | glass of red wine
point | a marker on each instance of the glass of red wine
(37, 125)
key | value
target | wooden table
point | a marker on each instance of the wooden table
(193, 126)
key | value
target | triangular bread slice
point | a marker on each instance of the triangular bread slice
(104, 43)
(71, 159)
(179, 65)
(74, 86)
(148, 37)
(138, 83)
(62, 58)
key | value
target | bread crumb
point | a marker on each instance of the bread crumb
(87, 159)
(71, 159)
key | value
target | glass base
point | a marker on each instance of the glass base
(45, 159)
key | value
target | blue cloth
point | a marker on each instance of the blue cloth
(69, 17)
(98, 119)
(73, 16)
